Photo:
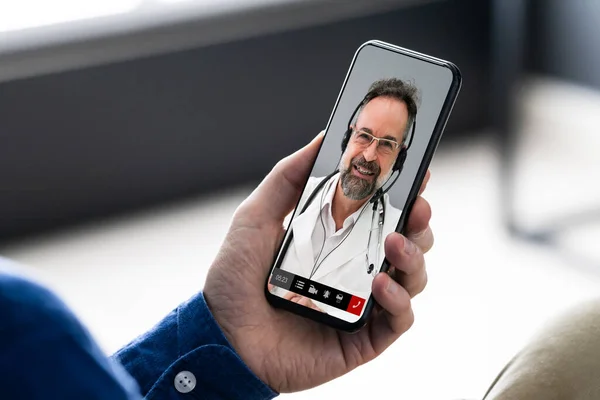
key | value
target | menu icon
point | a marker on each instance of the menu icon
(299, 285)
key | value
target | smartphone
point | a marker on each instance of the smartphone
(379, 141)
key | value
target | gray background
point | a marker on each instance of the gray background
(374, 63)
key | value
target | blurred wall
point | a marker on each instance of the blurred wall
(565, 40)
(108, 139)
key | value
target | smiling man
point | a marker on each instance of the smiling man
(339, 239)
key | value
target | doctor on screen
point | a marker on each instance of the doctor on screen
(338, 238)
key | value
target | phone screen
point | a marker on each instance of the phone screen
(374, 144)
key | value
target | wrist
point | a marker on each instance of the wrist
(228, 321)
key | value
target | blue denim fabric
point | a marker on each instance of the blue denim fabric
(46, 353)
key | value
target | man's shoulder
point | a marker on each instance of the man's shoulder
(313, 181)
(36, 327)
(309, 188)
(19, 289)
(311, 185)
(26, 302)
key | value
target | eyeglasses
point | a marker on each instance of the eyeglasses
(364, 139)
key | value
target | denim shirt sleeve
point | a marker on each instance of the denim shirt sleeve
(188, 340)
(46, 353)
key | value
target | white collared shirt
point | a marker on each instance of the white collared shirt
(324, 241)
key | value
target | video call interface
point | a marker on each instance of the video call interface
(334, 244)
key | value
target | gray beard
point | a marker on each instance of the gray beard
(356, 188)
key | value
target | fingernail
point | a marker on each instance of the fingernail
(409, 246)
(391, 286)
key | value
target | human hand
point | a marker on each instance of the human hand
(281, 347)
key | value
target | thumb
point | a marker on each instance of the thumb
(279, 192)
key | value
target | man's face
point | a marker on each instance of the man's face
(364, 169)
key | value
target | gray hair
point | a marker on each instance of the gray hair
(397, 89)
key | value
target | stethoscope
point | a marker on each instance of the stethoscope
(377, 220)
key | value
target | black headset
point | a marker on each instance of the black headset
(399, 163)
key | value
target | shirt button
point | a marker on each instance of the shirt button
(185, 382)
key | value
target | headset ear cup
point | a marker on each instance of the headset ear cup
(345, 140)
(400, 160)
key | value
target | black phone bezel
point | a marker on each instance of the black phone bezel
(443, 117)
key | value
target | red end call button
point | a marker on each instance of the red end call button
(356, 305)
